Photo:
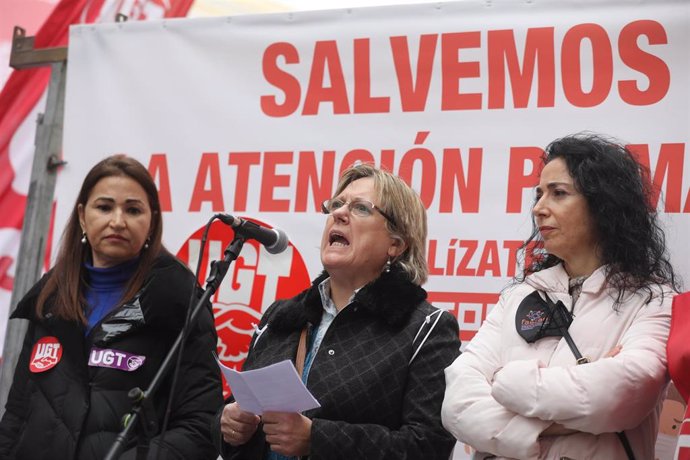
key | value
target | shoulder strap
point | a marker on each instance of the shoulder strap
(626, 445)
(427, 323)
(583, 360)
(301, 351)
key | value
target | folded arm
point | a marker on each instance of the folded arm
(605, 396)
(471, 413)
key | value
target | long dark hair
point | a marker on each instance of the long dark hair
(64, 282)
(618, 192)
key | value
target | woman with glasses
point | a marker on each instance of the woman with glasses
(367, 344)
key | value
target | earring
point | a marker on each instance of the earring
(146, 244)
(83, 238)
(387, 267)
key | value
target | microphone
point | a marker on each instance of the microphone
(273, 239)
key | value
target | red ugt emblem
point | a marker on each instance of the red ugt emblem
(253, 282)
(45, 355)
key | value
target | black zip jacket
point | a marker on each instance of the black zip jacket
(74, 410)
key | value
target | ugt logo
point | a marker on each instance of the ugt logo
(45, 355)
(253, 282)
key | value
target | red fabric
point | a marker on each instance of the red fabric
(179, 9)
(19, 96)
(683, 452)
(678, 345)
(24, 88)
(678, 354)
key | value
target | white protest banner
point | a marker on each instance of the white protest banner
(256, 116)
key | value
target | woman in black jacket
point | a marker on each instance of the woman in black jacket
(101, 322)
(375, 349)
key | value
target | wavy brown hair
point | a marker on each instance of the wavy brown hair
(64, 284)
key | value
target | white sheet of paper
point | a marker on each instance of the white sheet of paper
(277, 387)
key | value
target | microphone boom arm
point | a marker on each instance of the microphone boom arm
(137, 417)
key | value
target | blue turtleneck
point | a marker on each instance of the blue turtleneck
(104, 289)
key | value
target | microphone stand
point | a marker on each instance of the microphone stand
(142, 416)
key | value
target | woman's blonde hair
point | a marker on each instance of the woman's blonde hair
(403, 205)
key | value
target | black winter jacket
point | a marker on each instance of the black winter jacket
(374, 404)
(74, 411)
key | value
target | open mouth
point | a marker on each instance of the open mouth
(337, 239)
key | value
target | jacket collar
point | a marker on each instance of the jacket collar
(555, 279)
(121, 321)
(389, 299)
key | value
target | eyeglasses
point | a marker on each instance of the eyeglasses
(357, 207)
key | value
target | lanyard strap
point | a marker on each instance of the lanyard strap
(582, 360)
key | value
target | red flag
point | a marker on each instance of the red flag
(20, 97)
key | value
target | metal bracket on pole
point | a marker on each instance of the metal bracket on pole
(46, 162)
(24, 55)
